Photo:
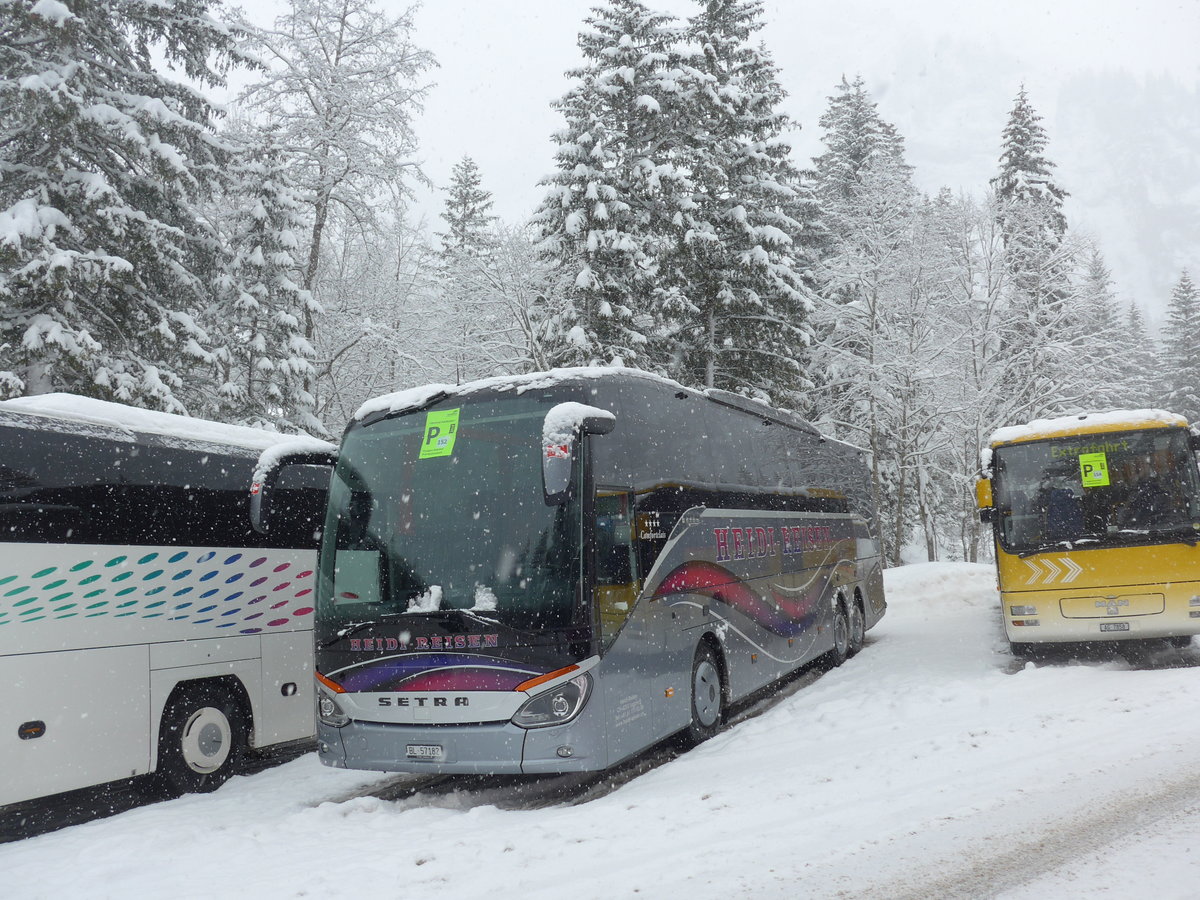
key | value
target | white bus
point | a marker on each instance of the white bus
(144, 626)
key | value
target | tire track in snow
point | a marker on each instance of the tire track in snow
(1053, 846)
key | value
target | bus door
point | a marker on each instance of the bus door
(635, 632)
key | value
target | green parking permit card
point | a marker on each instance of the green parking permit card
(441, 428)
(1093, 469)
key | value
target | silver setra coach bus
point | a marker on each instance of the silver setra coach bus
(553, 572)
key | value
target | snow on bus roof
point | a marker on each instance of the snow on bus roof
(88, 411)
(1086, 423)
(415, 398)
(418, 397)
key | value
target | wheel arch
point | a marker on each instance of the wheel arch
(230, 684)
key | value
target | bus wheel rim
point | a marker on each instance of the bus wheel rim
(707, 693)
(206, 741)
(841, 632)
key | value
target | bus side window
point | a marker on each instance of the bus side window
(613, 554)
(49, 485)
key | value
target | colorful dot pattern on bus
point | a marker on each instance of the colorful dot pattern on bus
(245, 592)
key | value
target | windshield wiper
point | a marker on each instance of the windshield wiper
(347, 630)
(1185, 534)
(1053, 545)
(459, 612)
(357, 627)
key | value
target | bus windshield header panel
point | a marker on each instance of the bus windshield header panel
(441, 510)
(1113, 489)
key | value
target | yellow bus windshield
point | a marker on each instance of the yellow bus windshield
(1115, 488)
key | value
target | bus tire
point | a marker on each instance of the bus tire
(707, 696)
(841, 638)
(858, 628)
(202, 737)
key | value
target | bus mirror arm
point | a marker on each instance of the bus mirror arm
(264, 484)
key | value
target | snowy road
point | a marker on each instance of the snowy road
(929, 766)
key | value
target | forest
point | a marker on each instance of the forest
(259, 264)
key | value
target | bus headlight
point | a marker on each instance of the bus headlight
(560, 704)
(328, 710)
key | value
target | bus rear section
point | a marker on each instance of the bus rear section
(1096, 523)
(498, 594)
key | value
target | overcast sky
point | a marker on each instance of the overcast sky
(945, 73)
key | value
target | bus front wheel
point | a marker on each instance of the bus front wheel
(708, 696)
(202, 737)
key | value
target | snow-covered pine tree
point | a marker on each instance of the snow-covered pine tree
(467, 213)
(739, 274)
(104, 261)
(262, 358)
(612, 205)
(1143, 364)
(1039, 263)
(474, 325)
(1102, 357)
(1025, 172)
(1181, 349)
(857, 140)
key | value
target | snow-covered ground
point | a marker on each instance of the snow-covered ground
(932, 765)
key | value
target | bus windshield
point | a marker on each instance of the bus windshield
(443, 509)
(1115, 488)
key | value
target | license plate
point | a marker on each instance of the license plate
(425, 751)
(1114, 626)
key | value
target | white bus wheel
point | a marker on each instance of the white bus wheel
(201, 740)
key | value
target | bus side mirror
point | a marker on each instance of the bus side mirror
(984, 501)
(561, 430)
(271, 465)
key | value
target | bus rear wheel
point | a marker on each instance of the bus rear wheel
(858, 628)
(708, 696)
(202, 738)
(841, 638)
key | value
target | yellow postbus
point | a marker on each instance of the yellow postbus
(1096, 521)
